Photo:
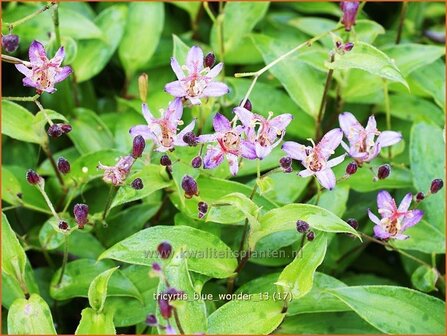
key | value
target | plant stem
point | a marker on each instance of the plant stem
(177, 321)
(29, 17)
(49, 155)
(386, 100)
(209, 12)
(64, 260)
(318, 130)
(23, 99)
(55, 17)
(403, 13)
(48, 201)
(110, 197)
(14, 60)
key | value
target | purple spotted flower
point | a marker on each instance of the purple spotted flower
(118, 173)
(395, 220)
(363, 147)
(163, 131)
(316, 159)
(199, 80)
(43, 73)
(264, 134)
(350, 9)
(229, 145)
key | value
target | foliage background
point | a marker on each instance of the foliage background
(110, 44)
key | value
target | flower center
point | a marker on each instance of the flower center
(230, 142)
(313, 161)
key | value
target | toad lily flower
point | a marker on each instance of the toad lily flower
(198, 83)
(269, 133)
(163, 131)
(117, 174)
(395, 220)
(42, 73)
(362, 146)
(316, 159)
(350, 9)
(229, 145)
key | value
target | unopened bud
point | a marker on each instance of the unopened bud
(56, 130)
(33, 178)
(348, 46)
(203, 208)
(384, 171)
(190, 138)
(63, 165)
(196, 162)
(10, 42)
(353, 223)
(137, 184)
(419, 196)
(80, 212)
(349, 9)
(351, 168)
(164, 250)
(436, 185)
(165, 160)
(248, 105)
(209, 60)
(151, 320)
(189, 185)
(286, 164)
(63, 225)
(165, 308)
(310, 236)
(138, 146)
(302, 226)
(143, 86)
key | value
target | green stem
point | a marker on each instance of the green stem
(400, 28)
(110, 197)
(386, 99)
(14, 60)
(23, 99)
(209, 12)
(48, 201)
(29, 17)
(318, 130)
(56, 25)
(49, 155)
(64, 260)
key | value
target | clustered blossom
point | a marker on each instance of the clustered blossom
(118, 173)
(43, 73)
(199, 81)
(395, 220)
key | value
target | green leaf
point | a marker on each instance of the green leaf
(30, 317)
(395, 310)
(424, 278)
(80, 273)
(335, 200)
(297, 278)
(411, 56)
(427, 164)
(370, 59)
(239, 19)
(152, 181)
(94, 54)
(430, 79)
(305, 90)
(284, 219)
(89, 133)
(144, 24)
(13, 255)
(97, 292)
(191, 312)
(346, 323)
(424, 237)
(10, 187)
(180, 49)
(94, 323)
(191, 7)
(317, 8)
(246, 317)
(140, 249)
(77, 26)
(17, 122)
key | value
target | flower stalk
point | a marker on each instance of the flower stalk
(318, 129)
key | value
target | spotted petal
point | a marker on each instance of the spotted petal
(194, 59)
(215, 71)
(380, 232)
(412, 218)
(406, 202)
(36, 52)
(62, 74)
(330, 142)
(385, 203)
(389, 138)
(326, 178)
(294, 150)
(221, 123)
(213, 157)
(215, 89)
(175, 89)
(177, 69)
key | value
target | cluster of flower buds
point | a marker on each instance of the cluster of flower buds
(342, 48)
(80, 212)
(203, 208)
(304, 228)
(189, 186)
(56, 130)
(10, 42)
(435, 186)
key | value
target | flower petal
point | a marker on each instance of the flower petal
(28, 82)
(262, 151)
(207, 138)
(294, 150)
(215, 89)
(412, 218)
(406, 202)
(233, 162)
(326, 178)
(142, 130)
(194, 101)
(62, 74)
(373, 218)
(213, 157)
(24, 70)
(385, 203)
(215, 71)
(281, 122)
(330, 142)
(59, 57)
(245, 116)
(147, 113)
(194, 60)
(349, 125)
(175, 89)
(389, 138)
(37, 53)
(380, 233)
(177, 69)
(306, 173)
(336, 161)
(175, 111)
(248, 150)
(371, 126)
(221, 123)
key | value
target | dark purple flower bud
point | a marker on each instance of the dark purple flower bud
(189, 185)
(349, 9)
(174, 294)
(80, 212)
(156, 267)
(165, 308)
(66, 128)
(384, 171)
(10, 42)
(247, 105)
(419, 196)
(209, 60)
(63, 165)
(353, 223)
(196, 162)
(351, 168)
(32, 177)
(302, 226)
(164, 250)
(165, 160)
(203, 207)
(63, 225)
(190, 138)
(137, 184)
(55, 131)
(288, 170)
(286, 163)
(151, 320)
(338, 44)
(138, 146)
(310, 236)
(348, 46)
(436, 185)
